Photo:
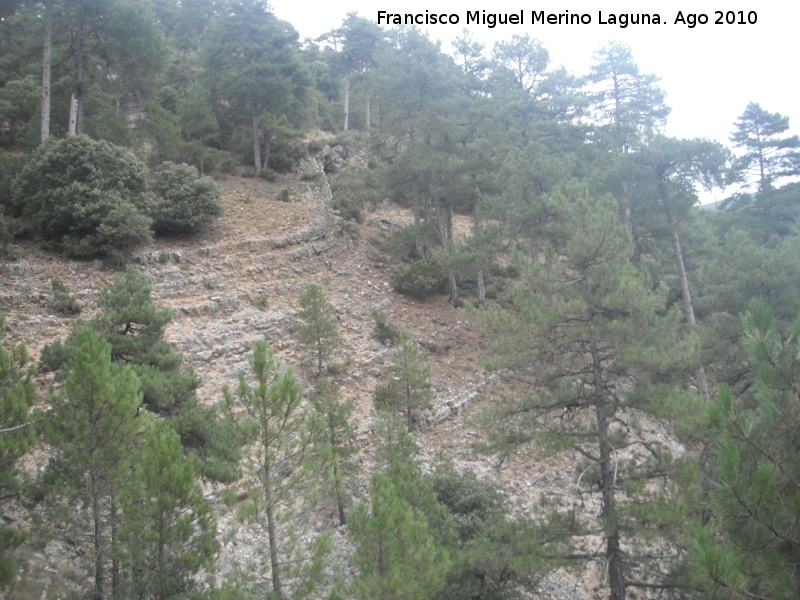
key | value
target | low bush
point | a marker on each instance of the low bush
(63, 302)
(384, 331)
(85, 197)
(185, 201)
(353, 190)
(422, 279)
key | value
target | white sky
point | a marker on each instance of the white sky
(709, 73)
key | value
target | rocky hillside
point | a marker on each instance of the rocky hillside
(238, 283)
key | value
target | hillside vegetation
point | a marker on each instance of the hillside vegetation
(357, 318)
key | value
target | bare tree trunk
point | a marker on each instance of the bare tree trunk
(446, 243)
(46, 61)
(607, 476)
(367, 117)
(481, 289)
(339, 496)
(73, 115)
(277, 587)
(79, 89)
(637, 249)
(450, 223)
(267, 144)
(115, 567)
(99, 573)
(688, 307)
(419, 245)
(534, 245)
(346, 100)
(256, 142)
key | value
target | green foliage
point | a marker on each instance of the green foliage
(92, 429)
(283, 195)
(336, 438)
(406, 242)
(355, 189)
(17, 395)
(396, 555)
(317, 330)
(184, 200)
(131, 324)
(747, 550)
(422, 279)
(85, 197)
(63, 302)
(384, 331)
(168, 529)
(282, 433)
(408, 388)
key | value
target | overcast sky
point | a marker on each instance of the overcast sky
(709, 72)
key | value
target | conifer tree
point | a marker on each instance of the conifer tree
(281, 435)
(318, 331)
(17, 434)
(336, 438)
(396, 555)
(587, 318)
(168, 528)
(92, 428)
(751, 548)
(409, 386)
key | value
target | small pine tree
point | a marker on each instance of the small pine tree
(92, 429)
(409, 386)
(168, 528)
(318, 331)
(283, 435)
(17, 395)
(337, 436)
(396, 555)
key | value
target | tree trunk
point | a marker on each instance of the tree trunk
(534, 245)
(73, 115)
(688, 307)
(115, 568)
(256, 142)
(79, 88)
(367, 117)
(46, 61)
(267, 145)
(450, 223)
(637, 250)
(272, 534)
(481, 289)
(346, 100)
(451, 277)
(339, 496)
(99, 574)
(607, 476)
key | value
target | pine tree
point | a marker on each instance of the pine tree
(767, 156)
(409, 386)
(92, 428)
(168, 528)
(396, 555)
(17, 434)
(281, 435)
(337, 437)
(586, 318)
(751, 548)
(318, 331)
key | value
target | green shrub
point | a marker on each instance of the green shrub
(283, 195)
(403, 244)
(85, 197)
(422, 279)
(184, 200)
(354, 189)
(63, 302)
(384, 331)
